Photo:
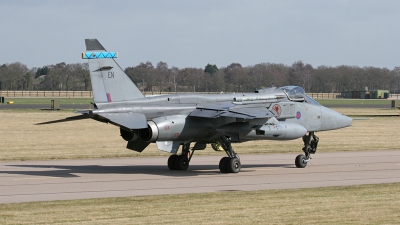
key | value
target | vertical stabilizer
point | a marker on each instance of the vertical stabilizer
(109, 81)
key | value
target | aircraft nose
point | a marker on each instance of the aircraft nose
(343, 121)
(333, 120)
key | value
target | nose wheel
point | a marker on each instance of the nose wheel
(301, 161)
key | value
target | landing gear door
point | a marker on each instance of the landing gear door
(168, 146)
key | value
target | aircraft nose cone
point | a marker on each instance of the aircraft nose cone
(343, 121)
(332, 120)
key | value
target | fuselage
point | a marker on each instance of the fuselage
(171, 121)
(295, 116)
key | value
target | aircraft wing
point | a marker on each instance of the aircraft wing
(235, 111)
(251, 112)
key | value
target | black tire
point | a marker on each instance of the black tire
(172, 161)
(234, 165)
(301, 161)
(182, 162)
(223, 165)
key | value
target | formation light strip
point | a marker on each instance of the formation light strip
(99, 55)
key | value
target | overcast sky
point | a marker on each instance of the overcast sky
(186, 33)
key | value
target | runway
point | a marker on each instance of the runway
(101, 178)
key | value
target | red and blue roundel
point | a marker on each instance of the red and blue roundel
(298, 115)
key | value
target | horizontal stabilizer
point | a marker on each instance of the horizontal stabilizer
(128, 120)
(68, 119)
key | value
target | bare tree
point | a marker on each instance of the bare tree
(15, 76)
(396, 79)
(234, 75)
(301, 74)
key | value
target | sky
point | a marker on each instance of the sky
(188, 33)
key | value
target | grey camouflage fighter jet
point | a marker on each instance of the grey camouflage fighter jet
(171, 121)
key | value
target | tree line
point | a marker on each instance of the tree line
(232, 78)
(59, 77)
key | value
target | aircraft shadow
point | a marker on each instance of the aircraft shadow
(61, 171)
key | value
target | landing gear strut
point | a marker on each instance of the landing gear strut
(230, 164)
(181, 162)
(310, 147)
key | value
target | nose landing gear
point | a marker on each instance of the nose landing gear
(310, 147)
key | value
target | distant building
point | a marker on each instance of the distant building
(354, 94)
(374, 94)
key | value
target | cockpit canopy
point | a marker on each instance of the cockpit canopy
(296, 93)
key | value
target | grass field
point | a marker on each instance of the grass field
(366, 204)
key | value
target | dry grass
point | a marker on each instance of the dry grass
(22, 140)
(367, 204)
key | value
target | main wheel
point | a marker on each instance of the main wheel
(182, 162)
(301, 161)
(171, 162)
(223, 165)
(234, 165)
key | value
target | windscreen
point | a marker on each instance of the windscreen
(296, 93)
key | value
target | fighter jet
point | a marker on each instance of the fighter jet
(178, 120)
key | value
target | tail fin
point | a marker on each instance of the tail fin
(109, 81)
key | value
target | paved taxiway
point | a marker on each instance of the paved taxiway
(99, 178)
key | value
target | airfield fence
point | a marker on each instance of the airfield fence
(324, 95)
(89, 94)
(45, 94)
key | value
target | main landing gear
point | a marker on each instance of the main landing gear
(230, 164)
(181, 162)
(310, 147)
